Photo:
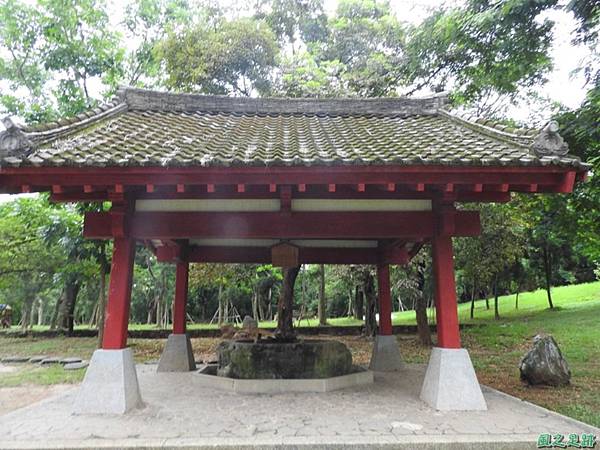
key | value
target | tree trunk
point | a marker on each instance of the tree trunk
(59, 301)
(72, 300)
(359, 303)
(285, 305)
(40, 312)
(422, 322)
(220, 302)
(496, 313)
(548, 273)
(473, 299)
(517, 296)
(487, 302)
(421, 312)
(322, 310)
(370, 300)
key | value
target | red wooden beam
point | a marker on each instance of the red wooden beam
(302, 187)
(57, 189)
(391, 187)
(420, 187)
(361, 187)
(568, 182)
(181, 294)
(262, 255)
(445, 292)
(210, 188)
(87, 188)
(180, 188)
(272, 187)
(331, 187)
(241, 187)
(259, 225)
(150, 188)
(119, 295)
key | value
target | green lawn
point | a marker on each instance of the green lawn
(564, 297)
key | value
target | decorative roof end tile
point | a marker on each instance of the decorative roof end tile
(13, 141)
(549, 142)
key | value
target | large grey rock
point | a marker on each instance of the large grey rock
(450, 382)
(177, 355)
(110, 385)
(386, 354)
(544, 364)
(283, 360)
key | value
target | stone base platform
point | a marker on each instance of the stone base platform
(280, 386)
(181, 413)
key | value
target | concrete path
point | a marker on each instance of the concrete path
(179, 413)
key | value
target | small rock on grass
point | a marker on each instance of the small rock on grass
(76, 365)
(15, 359)
(70, 360)
(37, 359)
(51, 360)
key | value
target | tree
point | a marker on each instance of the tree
(322, 309)
(285, 306)
(54, 49)
(235, 57)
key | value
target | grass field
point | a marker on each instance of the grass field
(496, 347)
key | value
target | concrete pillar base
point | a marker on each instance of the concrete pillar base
(177, 355)
(386, 354)
(110, 385)
(450, 382)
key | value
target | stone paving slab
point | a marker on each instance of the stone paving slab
(180, 413)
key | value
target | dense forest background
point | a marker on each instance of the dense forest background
(60, 57)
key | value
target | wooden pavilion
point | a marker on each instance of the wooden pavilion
(239, 180)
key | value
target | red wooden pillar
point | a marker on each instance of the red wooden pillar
(116, 319)
(385, 300)
(181, 293)
(445, 292)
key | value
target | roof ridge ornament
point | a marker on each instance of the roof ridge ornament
(13, 140)
(549, 142)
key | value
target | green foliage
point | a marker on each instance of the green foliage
(56, 40)
(480, 48)
(235, 57)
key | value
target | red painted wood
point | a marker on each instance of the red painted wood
(262, 255)
(420, 187)
(150, 188)
(119, 188)
(87, 188)
(361, 187)
(568, 183)
(445, 292)
(272, 188)
(57, 189)
(301, 187)
(181, 295)
(181, 188)
(331, 188)
(385, 300)
(478, 187)
(25, 188)
(119, 295)
(309, 225)
(241, 188)
(391, 187)
(210, 188)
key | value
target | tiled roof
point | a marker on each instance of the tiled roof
(146, 128)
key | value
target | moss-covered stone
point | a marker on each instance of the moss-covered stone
(273, 360)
